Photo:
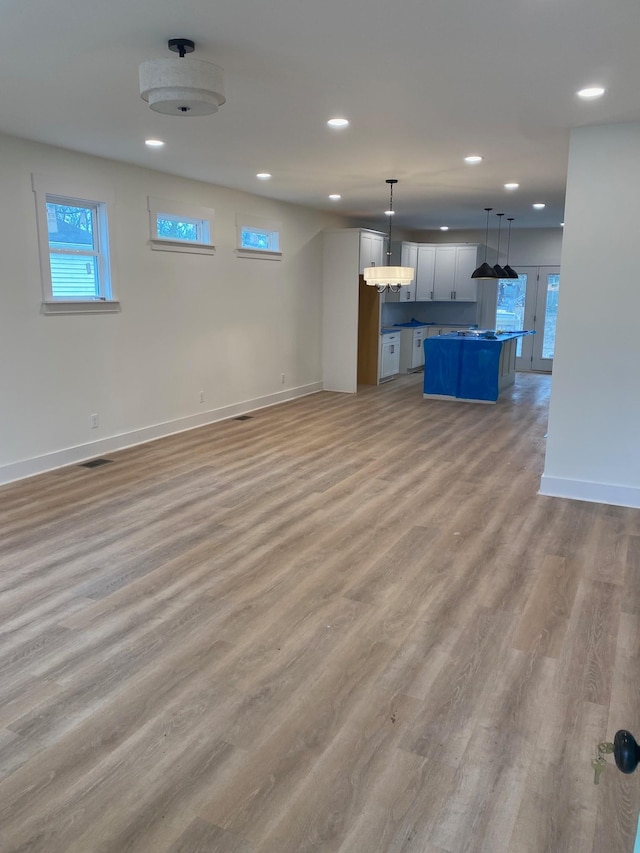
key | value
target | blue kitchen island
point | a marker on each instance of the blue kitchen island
(470, 366)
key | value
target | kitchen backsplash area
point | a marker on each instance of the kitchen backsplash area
(464, 313)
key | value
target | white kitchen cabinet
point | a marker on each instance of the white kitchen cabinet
(465, 288)
(408, 258)
(346, 252)
(411, 349)
(389, 362)
(444, 274)
(372, 250)
(426, 270)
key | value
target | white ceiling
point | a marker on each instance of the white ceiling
(423, 84)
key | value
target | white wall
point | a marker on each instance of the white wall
(189, 323)
(593, 448)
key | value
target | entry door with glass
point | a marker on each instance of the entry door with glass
(531, 302)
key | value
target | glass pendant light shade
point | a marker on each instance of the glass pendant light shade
(510, 272)
(484, 270)
(499, 271)
(388, 277)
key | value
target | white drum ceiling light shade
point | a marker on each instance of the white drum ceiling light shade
(180, 86)
(388, 277)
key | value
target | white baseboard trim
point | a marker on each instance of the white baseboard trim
(82, 452)
(583, 490)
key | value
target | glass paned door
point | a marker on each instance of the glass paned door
(531, 302)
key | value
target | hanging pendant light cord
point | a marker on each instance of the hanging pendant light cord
(486, 236)
(391, 182)
(500, 215)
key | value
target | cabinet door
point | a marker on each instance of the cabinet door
(408, 258)
(371, 250)
(465, 288)
(417, 351)
(444, 274)
(425, 273)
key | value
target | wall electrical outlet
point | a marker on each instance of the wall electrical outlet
(93, 421)
(202, 396)
(282, 378)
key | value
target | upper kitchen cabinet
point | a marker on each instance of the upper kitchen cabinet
(371, 250)
(406, 254)
(425, 273)
(346, 252)
(444, 273)
(465, 288)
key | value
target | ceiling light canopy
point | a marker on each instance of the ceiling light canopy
(388, 277)
(180, 86)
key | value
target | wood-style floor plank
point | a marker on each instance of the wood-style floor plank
(348, 624)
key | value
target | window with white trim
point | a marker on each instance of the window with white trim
(73, 237)
(258, 237)
(178, 227)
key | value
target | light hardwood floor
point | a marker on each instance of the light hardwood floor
(346, 624)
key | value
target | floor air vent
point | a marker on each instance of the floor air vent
(95, 463)
(243, 418)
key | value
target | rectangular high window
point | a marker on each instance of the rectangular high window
(258, 238)
(180, 227)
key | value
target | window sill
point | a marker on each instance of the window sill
(259, 253)
(98, 306)
(183, 246)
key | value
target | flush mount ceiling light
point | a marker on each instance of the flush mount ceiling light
(388, 277)
(180, 86)
(484, 270)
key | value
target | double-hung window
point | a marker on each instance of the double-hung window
(73, 238)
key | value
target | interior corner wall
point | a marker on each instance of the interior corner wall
(593, 448)
(226, 326)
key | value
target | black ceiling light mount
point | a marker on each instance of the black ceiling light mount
(499, 271)
(181, 46)
(510, 272)
(484, 270)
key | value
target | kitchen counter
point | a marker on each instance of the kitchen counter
(470, 366)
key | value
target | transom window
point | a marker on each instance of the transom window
(179, 227)
(258, 237)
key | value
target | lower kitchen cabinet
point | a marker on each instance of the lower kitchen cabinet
(389, 360)
(411, 349)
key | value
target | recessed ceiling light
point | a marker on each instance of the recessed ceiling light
(389, 213)
(444, 227)
(473, 158)
(511, 186)
(562, 224)
(154, 143)
(539, 205)
(263, 176)
(338, 122)
(335, 196)
(590, 92)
